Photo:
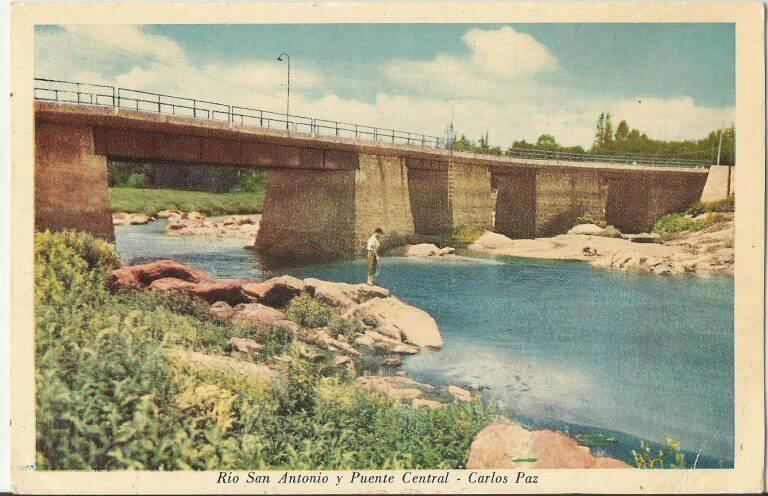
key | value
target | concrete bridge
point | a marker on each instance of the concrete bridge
(325, 194)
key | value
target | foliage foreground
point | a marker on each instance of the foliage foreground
(115, 391)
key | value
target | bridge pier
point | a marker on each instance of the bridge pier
(70, 181)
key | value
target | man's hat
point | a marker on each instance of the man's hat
(379, 230)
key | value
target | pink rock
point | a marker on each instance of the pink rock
(245, 345)
(222, 310)
(275, 292)
(257, 314)
(144, 274)
(227, 290)
(508, 445)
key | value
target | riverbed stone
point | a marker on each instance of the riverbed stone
(143, 274)
(399, 321)
(222, 310)
(275, 292)
(257, 314)
(132, 219)
(458, 393)
(507, 445)
(587, 229)
(343, 295)
(244, 345)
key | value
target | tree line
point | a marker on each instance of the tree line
(624, 140)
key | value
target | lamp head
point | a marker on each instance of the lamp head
(280, 57)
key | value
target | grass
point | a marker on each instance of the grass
(151, 201)
(113, 393)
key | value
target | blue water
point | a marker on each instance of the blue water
(556, 344)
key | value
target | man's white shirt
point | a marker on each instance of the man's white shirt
(373, 244)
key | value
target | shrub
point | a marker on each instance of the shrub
(276, 340)
(347, 328)
(308, 312)
(720, 206)
(466, 235)
(671, 456)
(367, 363)
(672, 224)
(610, 232)
(588, 218)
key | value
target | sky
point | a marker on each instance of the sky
(513, 81)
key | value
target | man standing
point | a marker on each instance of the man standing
(373, 253)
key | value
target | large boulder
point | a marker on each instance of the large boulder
(224, 290)
(244, 345)
(421, 250)
(397, 320)
(491, 241)
(222, 310)
(343, 295)
(507, 445)
(275, 292)
(125, 218)
(380, 342)
(257, 314)
(143, 274)
(587, 229)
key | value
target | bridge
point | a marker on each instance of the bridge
(330, 183)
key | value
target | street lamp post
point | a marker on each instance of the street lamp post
(288, 100)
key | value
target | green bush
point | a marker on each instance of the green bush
(719, 206)
(276, 340)
(588, 218)
(251, 181)
(671, 456)
(672, 224)
(308, 312)
(347, 328)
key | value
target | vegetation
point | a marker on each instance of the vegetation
(151, 201)
(114, 392)
(308, 312)
(671, 456)
(623, 141)
(675, 223)
(464, 236)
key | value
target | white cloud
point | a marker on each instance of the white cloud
(503, 98)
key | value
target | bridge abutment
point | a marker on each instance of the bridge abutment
(71, 189)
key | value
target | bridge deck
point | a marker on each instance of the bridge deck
(121, 118)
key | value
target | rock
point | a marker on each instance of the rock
(288, 326)
(377, 341)
(610, 232)
(339, 294)
(144, 274)
(421, 250)
(392, 362)
(165, 214)
(395, 387)
(222, 310)
(228, 290)
(506, 445)
(125, 218)
(275, 292)
(195, 215)
(170, 284)
(586, 229)
(424, 403)
(324, 339)
(245, 345)
(459, 394)
(491, 241)
(344, 361)
(642, 238)
(399, 321)
(257, 314)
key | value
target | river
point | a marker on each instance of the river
(555, 344)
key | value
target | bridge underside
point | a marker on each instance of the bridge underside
(324, 199)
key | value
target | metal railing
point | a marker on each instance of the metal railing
(145, 101)
(534, 154)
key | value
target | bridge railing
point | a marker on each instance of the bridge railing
(145, 101)
(532, 153)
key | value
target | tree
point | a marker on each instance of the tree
(622, 131)
(547, 141)
(600, 134)
(608, 136)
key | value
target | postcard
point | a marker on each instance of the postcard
(323, 248)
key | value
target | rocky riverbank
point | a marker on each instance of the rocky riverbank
(366, 330)
(702, 252)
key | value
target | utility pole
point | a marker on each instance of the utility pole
(288, 100)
